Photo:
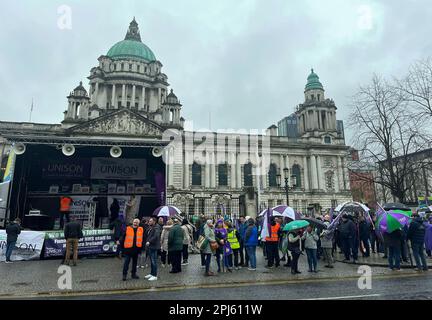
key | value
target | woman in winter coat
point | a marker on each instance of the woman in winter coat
(224, 249)
(311, 238)
(209, 235)
(187, 240)
(164, 243)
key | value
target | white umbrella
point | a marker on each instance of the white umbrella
(286, 211)
(166, 211)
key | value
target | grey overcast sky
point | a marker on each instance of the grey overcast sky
(245, 61)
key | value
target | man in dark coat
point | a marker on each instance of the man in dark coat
(153, 245)
(348, 234)
(175, 246)
(72, 233)
(364, 233)
(393, 242)
(12, 230)
(416, 234)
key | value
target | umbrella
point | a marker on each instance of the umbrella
(392, 220)
(273, 213)
(296, 224)
(286, 211)
(396, 206)
(316, 223)
(351, 205)
(166, 211)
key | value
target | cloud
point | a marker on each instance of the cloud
(244, 62)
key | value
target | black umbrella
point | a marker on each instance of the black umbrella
(315, 223)
(395, 206)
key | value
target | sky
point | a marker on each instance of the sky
(233, 64)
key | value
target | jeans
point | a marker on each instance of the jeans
(153, 261)
(349, 248)
(207, 261)
(404, 250)
(312, 259)
(185, 252)
(203, 258)
(251, 253)
(272, 253)
(128, 258)
(374, 242)
(419, 255)
(242, 261)
(9, 248)
(294, 262)
(176, 261)
(71, 243)
(235, 254)
(365, 243)
(164, 256)
(394, 257)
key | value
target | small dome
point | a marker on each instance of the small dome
(80, 88)
(172, 98)
(313, 82)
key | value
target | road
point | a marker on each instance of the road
(389, 287)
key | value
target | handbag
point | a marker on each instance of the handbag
(214, 245)
(201, 242)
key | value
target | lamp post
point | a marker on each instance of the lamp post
(286, 186)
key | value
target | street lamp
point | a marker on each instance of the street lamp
(286, 186)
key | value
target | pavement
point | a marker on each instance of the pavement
(100, 276)
(377, 260)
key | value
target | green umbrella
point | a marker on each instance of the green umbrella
(392, 220)
(296, 224)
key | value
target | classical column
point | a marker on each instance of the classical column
(314, 172)
(238, 178)
(123, 95)
(159, 97)
(96, 92)
(207, 171)
(186, 170)
(133, 97)
(213, 170)
(320, 124)
(233, 170)
(113, 96)
(346, 175)
(321, 179)
(143, 98)
(306, 176)
(170, 166)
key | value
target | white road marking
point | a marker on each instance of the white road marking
(345, 297)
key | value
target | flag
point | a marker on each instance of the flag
(265, 231)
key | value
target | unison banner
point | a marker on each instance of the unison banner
(65, 168)
(28, 247)
(94, 242)
(113, 168)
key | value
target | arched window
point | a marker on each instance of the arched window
(272, 175)
(247, 178)
(296, 172)
(196, 174)
(223, 174)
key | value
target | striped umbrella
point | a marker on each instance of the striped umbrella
(392, 220)
(273, 213)
(166, 211)
(286, 211)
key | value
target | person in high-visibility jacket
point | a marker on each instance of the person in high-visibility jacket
(132, 241)
(65, 206)
(233, 237)
(272, 244)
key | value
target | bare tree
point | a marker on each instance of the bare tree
(416, 87)
(386, 135)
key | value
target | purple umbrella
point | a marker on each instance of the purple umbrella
(392, 220)
(428, 237)
(286, 211)
(166, 211)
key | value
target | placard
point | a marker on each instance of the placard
(28, 247)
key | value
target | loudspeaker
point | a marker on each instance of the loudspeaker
(68, 150)
(115, 151)
(157, 152)
(19, 148)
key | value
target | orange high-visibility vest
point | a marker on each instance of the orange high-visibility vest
(65, 204)
(274, 233)
(128, 243)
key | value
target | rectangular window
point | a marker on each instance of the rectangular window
(138, 68)
(223, 174)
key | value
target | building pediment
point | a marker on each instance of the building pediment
(119, 123)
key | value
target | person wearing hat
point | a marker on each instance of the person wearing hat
(175, 246)
(416, 234)
(327, 243)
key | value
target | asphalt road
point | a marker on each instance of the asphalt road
(394, 287)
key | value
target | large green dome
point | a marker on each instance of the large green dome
(131, 49)
(313, 82)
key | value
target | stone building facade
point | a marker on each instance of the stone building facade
(128, 98)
